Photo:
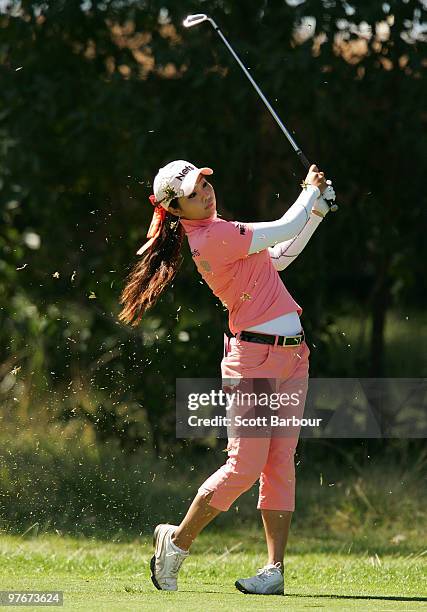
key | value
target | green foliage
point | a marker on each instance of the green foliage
(57, 477)
(96, 96)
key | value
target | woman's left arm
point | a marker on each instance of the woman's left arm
(284, 253)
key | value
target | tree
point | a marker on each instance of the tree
(96, 96)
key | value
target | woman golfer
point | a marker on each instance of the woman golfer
(240, 263)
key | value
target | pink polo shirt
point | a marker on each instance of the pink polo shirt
(248, 285)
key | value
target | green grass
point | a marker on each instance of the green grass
(99, 575)
(80, 489)
(358, 539)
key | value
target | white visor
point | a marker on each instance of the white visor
(176, 180)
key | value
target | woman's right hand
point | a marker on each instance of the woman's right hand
(316, 178)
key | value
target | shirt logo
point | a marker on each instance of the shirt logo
(195, 253)
(242, 229)
(183, 172)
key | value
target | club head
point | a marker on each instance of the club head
(193, 20)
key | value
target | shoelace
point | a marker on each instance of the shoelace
(265, 572)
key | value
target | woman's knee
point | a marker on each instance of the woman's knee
(247, 475)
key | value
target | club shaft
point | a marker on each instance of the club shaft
(195, 20)
(294, 145)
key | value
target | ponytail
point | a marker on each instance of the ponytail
(153, 273)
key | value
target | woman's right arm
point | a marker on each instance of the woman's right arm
(267, 234)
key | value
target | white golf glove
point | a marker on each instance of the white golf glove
(321, 204)
(329, 193)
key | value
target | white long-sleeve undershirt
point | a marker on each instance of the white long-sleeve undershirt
(269, 233)
(286, 325)
(286, 252)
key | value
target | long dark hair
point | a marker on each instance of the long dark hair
(153, 273)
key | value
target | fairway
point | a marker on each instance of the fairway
(97, 575)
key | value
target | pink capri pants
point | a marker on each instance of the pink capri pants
(269, 459)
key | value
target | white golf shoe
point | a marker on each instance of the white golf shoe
(268, 581)
(167, 559)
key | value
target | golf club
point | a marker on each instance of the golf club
(193, 20)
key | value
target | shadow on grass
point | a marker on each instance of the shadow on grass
(372, 597)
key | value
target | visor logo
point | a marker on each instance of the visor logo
(184, 171)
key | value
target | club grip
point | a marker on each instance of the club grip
(303, 159)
